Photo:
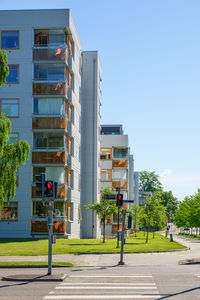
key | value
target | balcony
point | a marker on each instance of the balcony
(41, 227)
(50, 123)
(50, 54)
(120, 163)
(47, 88)
(62, 192)
(49, 157)
(120, 184)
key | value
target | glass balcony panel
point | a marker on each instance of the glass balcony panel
(59, 88)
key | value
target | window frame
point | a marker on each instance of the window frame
(8, 205)
(18, 39)
(106, 172)
(7, 99)
(102, 151)
(18, 74)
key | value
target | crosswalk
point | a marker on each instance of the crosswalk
(105, 286)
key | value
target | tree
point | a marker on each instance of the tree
(4, 70)
(149, 182)
(104, 208)
(135, 210)
(11, 155)
(170, 202)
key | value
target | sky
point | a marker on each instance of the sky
(149, 51)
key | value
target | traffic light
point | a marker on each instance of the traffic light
(119, 200)
(49, 189)
(40, 185)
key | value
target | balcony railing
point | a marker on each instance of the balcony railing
(62, 192)
(120, 163)
(50, 123)
(120, 184)
(60, 88)
(50, 54)
(49, 157)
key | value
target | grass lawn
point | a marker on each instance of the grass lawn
(23, 247)
(193, 236)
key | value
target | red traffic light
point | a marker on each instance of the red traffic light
(119, 200)
(119, 197)
(49, 185)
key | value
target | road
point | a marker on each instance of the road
(151, 276)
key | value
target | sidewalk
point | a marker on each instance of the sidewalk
(133, 259)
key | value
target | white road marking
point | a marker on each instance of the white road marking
(101, 297)
(104, 287)
(105, 283)
(111, 276)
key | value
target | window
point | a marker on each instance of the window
(13, 138)
(9, 107)
(70, 211)
(39, 210)
(106, 175)
(10, 39)
(70, 145)
(106, 153)
(120, 174)
(48, 106)
(52, 173)
(9, 212)
(120, 152)
(49, 140)
(49, 72)
(13, 76)
(59, 209)
(51, 38)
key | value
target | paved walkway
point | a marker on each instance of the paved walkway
(164, 258)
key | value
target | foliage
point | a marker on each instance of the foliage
(148, 182)
(105, 208)
(188, 212)
(170, 202)
(4, 70)
(135, 210)
(153, 214)
(11, 156)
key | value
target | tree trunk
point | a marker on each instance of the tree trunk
(135, 228)
(104, 228)
(147, 234)
(153, 233)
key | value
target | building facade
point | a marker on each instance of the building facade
(116, 166)
(90, 161)
(42, 99)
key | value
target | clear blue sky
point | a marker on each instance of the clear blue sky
(150, 55)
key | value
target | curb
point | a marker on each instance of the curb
(33, 266)
(34, 278)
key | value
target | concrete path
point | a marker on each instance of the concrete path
(151, 259)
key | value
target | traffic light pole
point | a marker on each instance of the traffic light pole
(118, 227)
(50, 227)
(122, 241)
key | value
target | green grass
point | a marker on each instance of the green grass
(34, 263)
(24, 247)
(194, 236)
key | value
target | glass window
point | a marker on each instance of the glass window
(49, 140)
(9, 212)
(13, 138)
(106, 175)
(10, 39)
(13, 76)
(120, 174)
(58, 210)
(49, 72)
(48, 106)
(106, 153)
(39, 210)
(120, 152)
(70, 211)
(9, 107)
(70, 178)
(49, 38)
(52, 173)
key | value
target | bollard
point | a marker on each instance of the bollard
(171, 237)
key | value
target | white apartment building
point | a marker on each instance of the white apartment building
(90, 163)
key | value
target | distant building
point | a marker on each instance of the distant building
(116, 165)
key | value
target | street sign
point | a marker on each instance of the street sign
(109, 196)
(128, 201)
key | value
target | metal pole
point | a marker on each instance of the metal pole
(118, 227)
(50, 227)
(122, 242)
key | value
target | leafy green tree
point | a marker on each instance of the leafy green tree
(170, 202)
(159, 218)
(105, 208)
(135, 210)
(4, 70)
(149, 182)
(11, 155)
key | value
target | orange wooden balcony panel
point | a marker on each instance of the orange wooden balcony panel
(59, 88)
(42, 227)
(120, 163)
(121, 184)
(49, 54)
(62, 192)
(49, 123)
(49, 157)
